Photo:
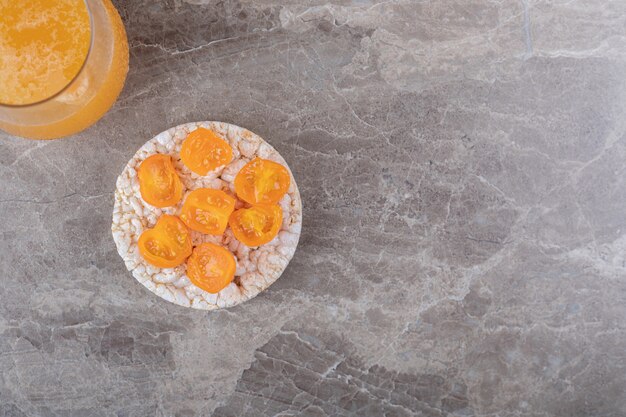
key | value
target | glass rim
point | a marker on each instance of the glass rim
(70, 82)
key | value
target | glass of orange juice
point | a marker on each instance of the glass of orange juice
(63, 64)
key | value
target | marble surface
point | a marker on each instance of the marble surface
(463, 252)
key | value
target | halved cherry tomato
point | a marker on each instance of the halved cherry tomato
(166, 245)
(256, 225)
(262, 181)
(203, 151)
(211, 267)
(158, 181)
(206, 210)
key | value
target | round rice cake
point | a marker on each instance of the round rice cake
(257, 268)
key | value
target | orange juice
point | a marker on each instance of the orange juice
(43, 46)
(63, 64)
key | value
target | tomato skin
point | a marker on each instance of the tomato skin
(256, 225)
(203, 151)
(262, 181)
(167, 244)
(207, 210)
(211, 267)
(159, 183)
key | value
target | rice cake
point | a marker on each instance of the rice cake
(257, 268)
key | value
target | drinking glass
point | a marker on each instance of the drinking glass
(79, 85)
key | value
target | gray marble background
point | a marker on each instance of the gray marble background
(462, 166)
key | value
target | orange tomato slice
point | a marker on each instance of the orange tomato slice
(158, 181)
(206, 210)
(262, 181)
(167, 244)
(256, 225)
(211, 267)
(203, 151)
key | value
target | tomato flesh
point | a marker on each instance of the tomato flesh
(262, 181)
(159, 183)
(256, 225)
(211, 267)
(203, 151)
(206, 210)
(167, 244)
